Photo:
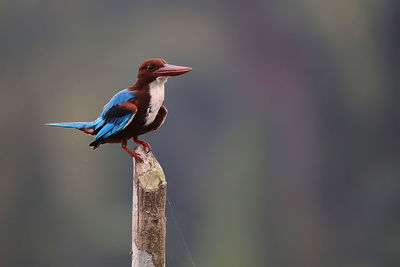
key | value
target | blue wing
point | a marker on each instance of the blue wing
(114, 118)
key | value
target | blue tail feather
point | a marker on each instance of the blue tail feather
(76, 125)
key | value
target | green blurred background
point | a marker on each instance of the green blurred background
(281, 147)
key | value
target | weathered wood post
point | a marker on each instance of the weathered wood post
(148, 212)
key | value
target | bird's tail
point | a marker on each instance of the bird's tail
(87, 127)
(76, 125)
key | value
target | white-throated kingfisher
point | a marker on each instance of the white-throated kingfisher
(133, 111)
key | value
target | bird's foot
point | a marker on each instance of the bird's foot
(133, 154)
(145, 144)
(137, 157)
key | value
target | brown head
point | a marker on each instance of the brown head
(156, 67)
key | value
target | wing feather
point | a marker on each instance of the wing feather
(116, 115)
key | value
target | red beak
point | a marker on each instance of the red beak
(172, 70)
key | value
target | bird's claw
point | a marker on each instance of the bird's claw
(137, 157)
(146, 145)
(133, 154)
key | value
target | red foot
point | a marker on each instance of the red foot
(133, 154)
(145, 144)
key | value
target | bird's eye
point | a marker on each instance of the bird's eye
(150, 67)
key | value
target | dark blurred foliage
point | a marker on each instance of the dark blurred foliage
(281, 147)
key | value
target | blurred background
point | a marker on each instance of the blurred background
(281, 147)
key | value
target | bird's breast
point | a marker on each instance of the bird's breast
(156, 93)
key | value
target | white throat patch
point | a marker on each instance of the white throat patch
(156, 98)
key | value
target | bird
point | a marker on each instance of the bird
(133, 111)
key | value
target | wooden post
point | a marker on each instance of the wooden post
(148, 212)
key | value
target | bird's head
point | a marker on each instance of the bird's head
(156, 67)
